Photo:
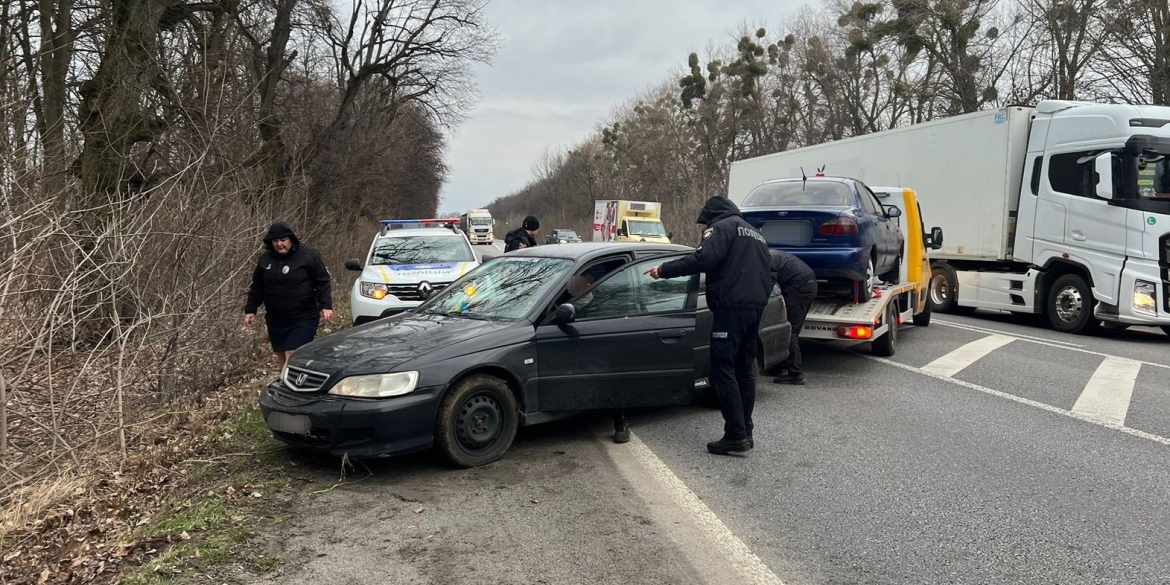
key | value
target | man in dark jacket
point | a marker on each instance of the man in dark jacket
(523, 236)
(735, 258)
(292, 283)
(798, 283)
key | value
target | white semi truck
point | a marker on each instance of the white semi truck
(477, 224)
(1061, 209)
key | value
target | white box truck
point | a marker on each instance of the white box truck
(628, 221)
(1061, 209)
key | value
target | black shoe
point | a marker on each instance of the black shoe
(621, 434)
(751, 443)
(796, 379)
(724, 446)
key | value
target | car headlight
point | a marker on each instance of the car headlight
(374, 290)
(1144, 295)
(376, 385)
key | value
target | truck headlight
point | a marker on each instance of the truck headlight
(1144, 298)
(374, 290)
(376, 385)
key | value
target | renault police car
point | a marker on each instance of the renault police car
(409, 260)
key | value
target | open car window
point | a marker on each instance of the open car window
(630, 292)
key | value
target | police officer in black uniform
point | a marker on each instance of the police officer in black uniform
(798, 283)
(523, 236)
(739, 280)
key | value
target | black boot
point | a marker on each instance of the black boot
(621, 431)
(790, 378)
(724, 446)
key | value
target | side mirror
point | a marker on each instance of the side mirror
(1103, 164)
(936, 238)
(621, 232)
(566, 314)
(353, 264)
(670, 235)
(893, 211)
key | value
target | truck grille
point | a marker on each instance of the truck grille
(416, 292)
(302, 380)
(1164, 263)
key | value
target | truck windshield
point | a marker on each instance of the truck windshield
(481, 221)
(797, 193)
(420, 250)
(646, 228)
(503, 289)
(1153, 176)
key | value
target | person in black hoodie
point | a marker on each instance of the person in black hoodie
(523, 236)
(739, 281)
(798, 284)
(292, 283)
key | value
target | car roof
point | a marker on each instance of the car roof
(590, 250)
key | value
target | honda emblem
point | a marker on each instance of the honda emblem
(301, 379)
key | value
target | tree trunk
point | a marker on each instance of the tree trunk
(55, 55)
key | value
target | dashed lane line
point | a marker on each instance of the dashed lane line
(1021, 400)
(1107, 395)
(1056, 344)
(958, 360)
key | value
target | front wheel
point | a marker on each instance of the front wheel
(923, 319)
(477, 421)
(1070, 305)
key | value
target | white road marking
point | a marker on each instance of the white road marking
(719, 556)
(1048, 343)
(1106, 397)
(981, 329)
(1021, 400)
(954, 362)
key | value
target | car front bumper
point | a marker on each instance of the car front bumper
(357, 427)
(366, 309)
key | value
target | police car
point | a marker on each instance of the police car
(409, 260)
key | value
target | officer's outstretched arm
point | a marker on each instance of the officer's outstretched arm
(711, 252)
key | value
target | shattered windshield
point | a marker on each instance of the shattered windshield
(503, 289)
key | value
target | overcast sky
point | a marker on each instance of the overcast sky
(565, 65)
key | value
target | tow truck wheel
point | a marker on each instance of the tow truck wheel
(477, 421)
(887, 344)
(1070, 305)
(923, 319)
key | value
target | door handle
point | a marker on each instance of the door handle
(1078, 235)
(671, 336)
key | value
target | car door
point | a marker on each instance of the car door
(631, 345)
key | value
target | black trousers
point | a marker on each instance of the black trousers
(733, 353)
(798, 301)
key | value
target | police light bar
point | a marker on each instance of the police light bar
(389, 224)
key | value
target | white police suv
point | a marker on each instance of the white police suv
(409, 260)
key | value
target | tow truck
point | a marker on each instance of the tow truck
(837, 317)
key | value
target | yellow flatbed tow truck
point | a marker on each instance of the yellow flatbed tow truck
(836, 316)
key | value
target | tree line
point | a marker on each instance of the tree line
(843, 69)
(145, 147)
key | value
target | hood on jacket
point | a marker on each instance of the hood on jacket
(717, 208)
(280, 229)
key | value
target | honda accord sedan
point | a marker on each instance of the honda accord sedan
(528, 337)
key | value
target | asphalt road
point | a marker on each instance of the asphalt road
(987, 450)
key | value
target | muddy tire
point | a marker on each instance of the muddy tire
(477, 421)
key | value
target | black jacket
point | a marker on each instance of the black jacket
(514, 238)
(790, 272)
(293, 287)
(732, 254)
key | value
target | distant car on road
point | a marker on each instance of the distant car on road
(522, 339)
(562, 236)
(835, 225)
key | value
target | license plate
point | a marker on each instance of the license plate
(297, 424)
(787, 233)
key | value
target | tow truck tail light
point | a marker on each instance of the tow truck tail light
(839, 226)
(855, 332)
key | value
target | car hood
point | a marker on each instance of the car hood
(383, 345)
(416, 273)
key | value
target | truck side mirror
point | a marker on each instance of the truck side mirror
(621, 232)
(936, 238)
(893, 211)
(353, 264)
(566, 314)
(670, 235)
(1103, 164)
